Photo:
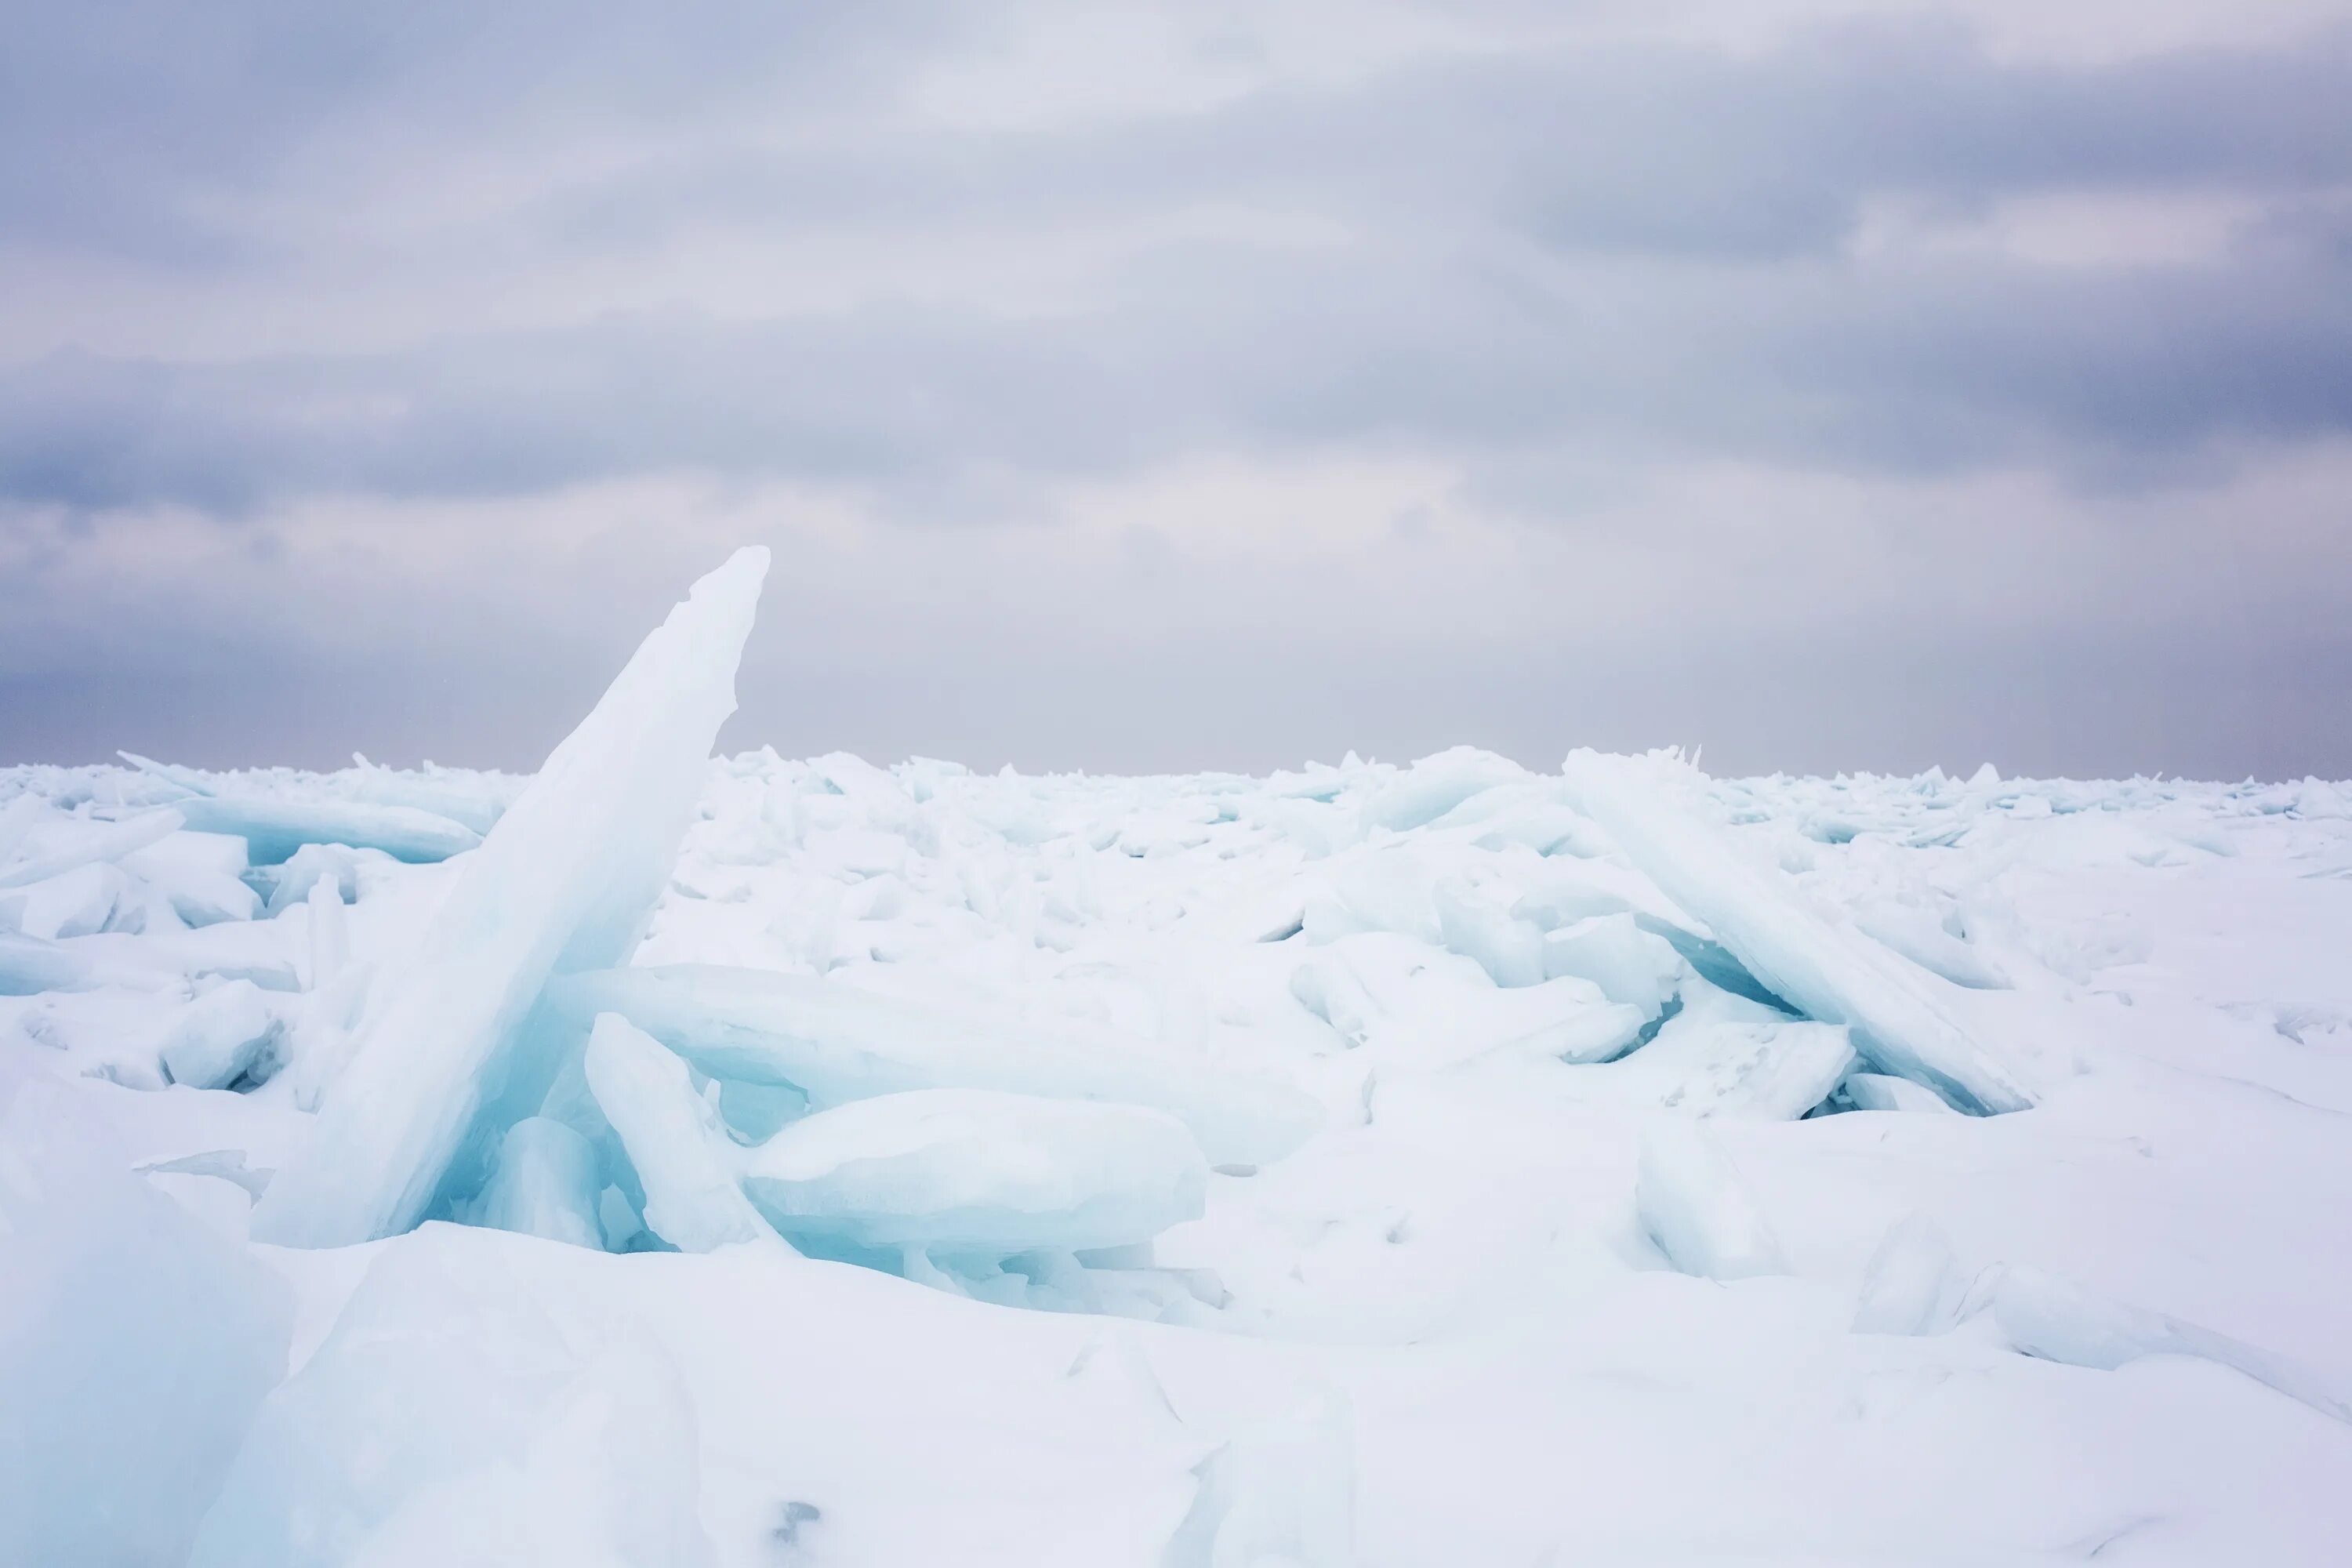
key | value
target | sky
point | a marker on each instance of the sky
(1203, 386)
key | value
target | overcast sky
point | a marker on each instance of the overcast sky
(1199, 385)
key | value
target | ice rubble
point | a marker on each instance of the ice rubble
(527, 905)
(838, 1044)
(1828, 971)
(989, 1033)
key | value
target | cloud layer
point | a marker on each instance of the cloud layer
(1157, 387)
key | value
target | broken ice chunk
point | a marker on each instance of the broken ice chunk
(2047, 1317)
(80, 902)
(1876, 1092)
(184, 853)
(347, 869)
(838, 1044)
(1435, 786)
(1919, 936)
(1693, 1204)
(188, 779)
(227, 1034)
(1631, 965)
(544, 1184)
(672, 1137)
(1510, 949)
(1716, 1058)
(88, 842)
(1326, 986)
(275, 830)
(476, 803)
(565, 881)
(1912, 1285)
(980, 1172)
(28, 967)
(1389, 888)
(1825, 968)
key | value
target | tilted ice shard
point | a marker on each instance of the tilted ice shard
(274, 829)
(1694, 1203)
(838, 1044)
(545, 1184)
(92, 841)
(1828, 970)
(1877, 1091)
(1435, 786)
(672, 1135)
(565, 881)
(977, 1171)
(477, 804)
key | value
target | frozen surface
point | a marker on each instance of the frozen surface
(1422, 1165)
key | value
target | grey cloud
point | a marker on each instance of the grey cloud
(1924, 369)
(126, 125)
(1647, 150)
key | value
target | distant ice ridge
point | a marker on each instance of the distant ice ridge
(534, 900)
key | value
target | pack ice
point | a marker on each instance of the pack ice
(731, 1161)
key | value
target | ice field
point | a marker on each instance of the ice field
(678, 1160)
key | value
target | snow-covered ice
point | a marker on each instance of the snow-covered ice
(1448, 1163)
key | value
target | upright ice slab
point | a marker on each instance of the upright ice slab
(838, 1044)
(672, 1136)
(563, 882)
(1829, 971)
